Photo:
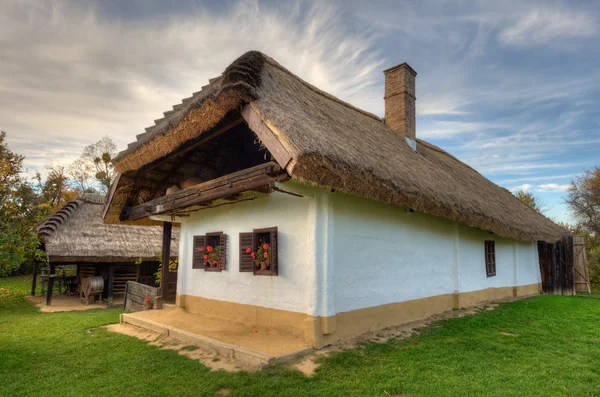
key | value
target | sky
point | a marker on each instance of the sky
(512, 88)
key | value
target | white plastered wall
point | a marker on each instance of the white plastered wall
(339, 253)
(295, 219)
(384, 254)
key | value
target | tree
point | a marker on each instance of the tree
(98, 157)
(529, 199)
(56, 189)
(80, 173)
(18, 212)
(584, 200)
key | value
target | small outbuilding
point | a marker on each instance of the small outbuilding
(75, 235)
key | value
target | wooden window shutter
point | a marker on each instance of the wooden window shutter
(490, 258)
(197, 259)
(246, 241)
(223, 253)
(274, 262)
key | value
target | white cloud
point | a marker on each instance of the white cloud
(543, 26)
(449, 129)
(553, 187)
(524, 187)
(70, 75)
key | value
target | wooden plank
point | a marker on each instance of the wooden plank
(111, 284)
(166, 256)
(135, 293)
(141, 210)
(228, 185)
(111, 193)
(267, 137)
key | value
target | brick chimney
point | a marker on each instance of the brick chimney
(400, 101)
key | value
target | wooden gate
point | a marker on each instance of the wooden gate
(556, 266)
(582, 272)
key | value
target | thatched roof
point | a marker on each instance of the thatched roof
(76, 233)
(336, 145)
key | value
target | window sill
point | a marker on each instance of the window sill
(264, 273)
(213, 269)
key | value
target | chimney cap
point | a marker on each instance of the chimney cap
(403, 65)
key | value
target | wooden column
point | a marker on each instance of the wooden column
(50, 284)
(111, 284)
(34, 279)
(166, 255)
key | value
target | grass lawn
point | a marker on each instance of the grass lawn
(544, 346)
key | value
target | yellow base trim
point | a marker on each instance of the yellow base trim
(321, 331)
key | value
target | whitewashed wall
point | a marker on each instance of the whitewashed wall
(339, 253)
(384, 255)
(285, 291)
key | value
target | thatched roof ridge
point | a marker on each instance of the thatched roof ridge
(76, 231)
(336, 145)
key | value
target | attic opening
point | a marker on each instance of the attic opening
(228, 149)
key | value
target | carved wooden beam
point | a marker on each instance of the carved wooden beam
(226, 186)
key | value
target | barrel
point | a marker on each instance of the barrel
(95, 285)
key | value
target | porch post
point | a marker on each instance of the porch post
(166, 255)
(50, 283)
(34, 279)
(111, 284)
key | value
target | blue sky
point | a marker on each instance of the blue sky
(511, 87)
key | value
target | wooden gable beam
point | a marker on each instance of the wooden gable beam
(267, 137)
(226, 186)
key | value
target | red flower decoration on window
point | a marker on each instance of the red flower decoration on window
(266, 254)
(209, 248)
(248, 250)
(266, 246)
(201, 249)
(253, 255)
(205, 256)
(146, 299)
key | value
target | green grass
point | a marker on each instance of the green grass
(553, 349)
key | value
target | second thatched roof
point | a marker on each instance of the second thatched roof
(75, 233)
(336, 145)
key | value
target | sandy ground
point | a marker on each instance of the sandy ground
(269, 341)
(207, 357)
(62, 303)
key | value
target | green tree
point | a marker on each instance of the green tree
(529, 199)
(18, 212)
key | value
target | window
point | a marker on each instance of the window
(490, 258)
(210, 252)
(264, 261)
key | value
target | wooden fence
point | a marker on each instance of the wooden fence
(136, 293)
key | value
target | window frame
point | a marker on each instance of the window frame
(274, 266)
(205, 239)
(490, 258)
